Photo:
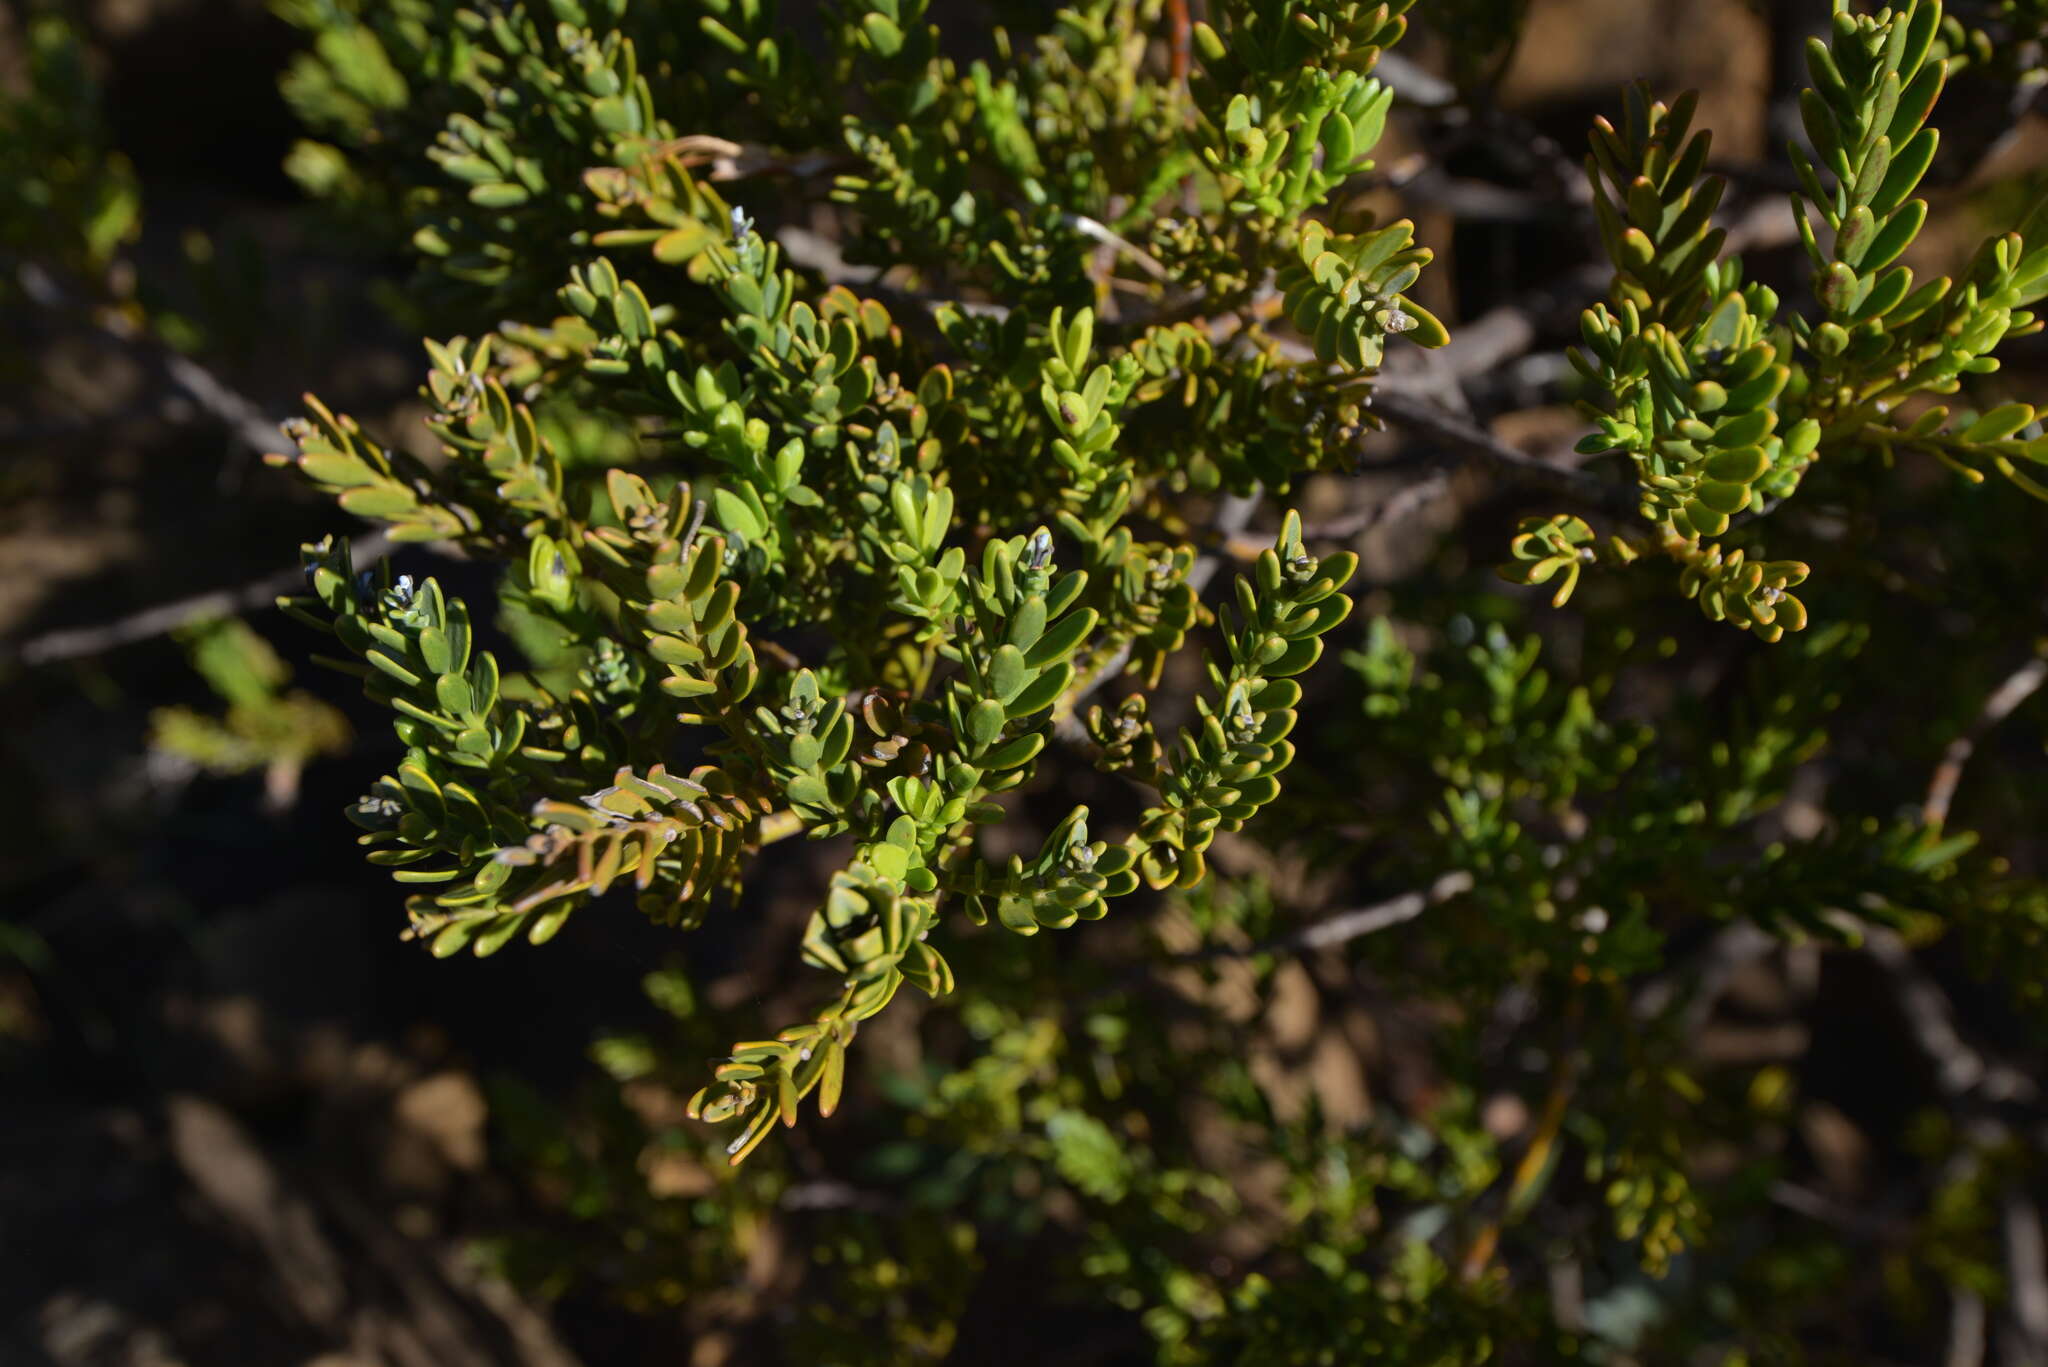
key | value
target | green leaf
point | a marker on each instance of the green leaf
(882, 33)
(1738, 465)
(1999, 423)
(1007, 672)
(1015, 752)
(1894, 237)
(985, 721)
(735, 515)
(1042, 692)
(1905, 171)
(1062, 639)
(379, 501)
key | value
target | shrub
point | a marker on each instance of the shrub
(852, 433)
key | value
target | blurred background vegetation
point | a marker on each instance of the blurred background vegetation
(240, 1122)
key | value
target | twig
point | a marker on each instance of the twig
(1965, 1329)
(1567, 1278)
(1962, 1072)
(1530, 153)
(724, 159)
(251, 426)
(1475, 201)
(241, 416)
(829, 1194)
(1422, 88)
(1509, 330)
(1180, 41)
(71, 643)
(1347, 526)
(1344, 926)
(1510, 1201)
(1109, 237)
(1473, 442)
(1719, 959)
(1338, 929)
(2026, 1267)
(1828, 1211)
(1409, 499)
(1401, 399)
(816, 252)
(2017, 688)
(1960, 1068)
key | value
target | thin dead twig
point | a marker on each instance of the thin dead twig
(1340, 928)
(1478, 446)
(1960, 1068)
(72, 643)
(1109, 237)
(1475, 201)
(2026, 1265)
(2017, 688)
(1408, 400)
(1344, 926)
(1966, 1322)
(1836, 1214)
(1418, 87)
(239, 414)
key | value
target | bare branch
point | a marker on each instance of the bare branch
(1413, 84)
(1473, 201)
(1965, 1329)
(1344, 926)
(1828, 1211)
(71, 643)
(2026, 1267)
(240, 415)
(1109, 237)
(1509, 330)
(1404, 399)
(1960, 1068)
(2017, 688)
(1340, 928)
(830, 1194)
(1477, 445)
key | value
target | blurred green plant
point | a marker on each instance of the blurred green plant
(67, 198)
(265, 725)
